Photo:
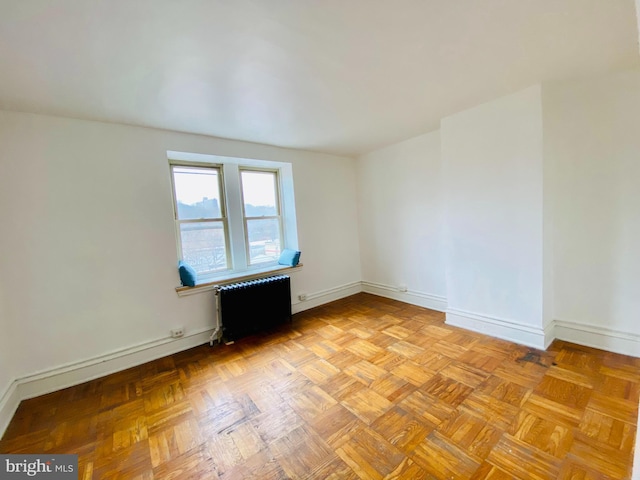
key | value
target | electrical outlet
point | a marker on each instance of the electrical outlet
(302, 297)
(177, 332)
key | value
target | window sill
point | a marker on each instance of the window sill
(240, 277)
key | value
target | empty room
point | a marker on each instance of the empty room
(316, 239)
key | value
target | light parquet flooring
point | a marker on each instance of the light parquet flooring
(364, 387)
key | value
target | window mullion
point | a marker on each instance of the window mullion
(233, 196)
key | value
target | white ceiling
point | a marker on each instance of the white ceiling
(339, 76)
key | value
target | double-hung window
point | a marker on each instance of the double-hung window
(261, 212)
(233, 216)
(201, 218)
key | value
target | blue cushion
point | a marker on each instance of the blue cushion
(188, 276)
(289, 257)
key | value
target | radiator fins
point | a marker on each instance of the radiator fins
(254, 306)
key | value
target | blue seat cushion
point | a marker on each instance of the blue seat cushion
(289, 257)
(188, 275)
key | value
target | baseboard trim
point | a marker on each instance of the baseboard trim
(71, 374)
(501, 328)
(421, 299)
(8, 405)
(47, 381)
(76, 373)
(598, 337)
(325, 296)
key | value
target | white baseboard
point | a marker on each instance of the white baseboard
(76, 373)
(68, 375)
(426, 300)
(9, 402)
(598, 337)
(501, 328)
(325, 296)
(79, 372)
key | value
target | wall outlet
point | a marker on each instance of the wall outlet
(177, 332)
(402, 288)
(302, 297)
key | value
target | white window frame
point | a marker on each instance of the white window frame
(231, 197)
(246, 219)
(222, 219)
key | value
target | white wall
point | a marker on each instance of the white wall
(7, 368)
(493, 181)
(8, 398)
(400, 218)
(327, 214)
(6, 373)
(88, 238)
(592, 136)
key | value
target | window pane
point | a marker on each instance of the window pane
(259, 193)
(204, 246)
(197, 192)
(264, 240)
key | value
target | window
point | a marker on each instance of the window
(200, 218)
(261, 208)
(233, 216)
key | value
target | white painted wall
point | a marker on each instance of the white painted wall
(7, 368)
(8, 348)
(327, 214)
(88, 237)
(400, 217)
(493, 181)
(8, 398)
(592, 136)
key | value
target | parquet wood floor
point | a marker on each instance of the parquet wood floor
(365, 387)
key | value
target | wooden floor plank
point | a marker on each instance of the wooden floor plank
(365, 387)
